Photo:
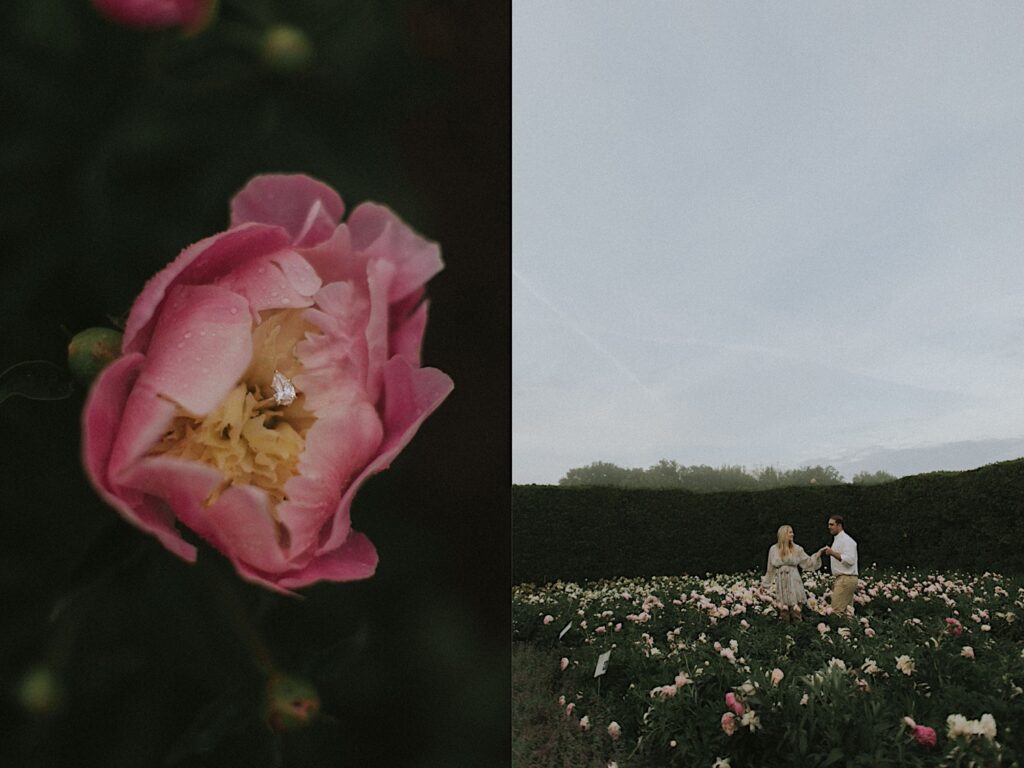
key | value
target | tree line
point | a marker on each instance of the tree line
(701, 478)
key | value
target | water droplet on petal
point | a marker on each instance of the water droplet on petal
(181, 344)
(188, 334)
(202, 333)
(234, 310)
(262, 270)
(286, 300)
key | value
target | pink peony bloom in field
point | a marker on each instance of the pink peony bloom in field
(967, 652)
(729, 723)
(563, 664)
(614, 730)
(777, 675)
(585, 723)
(267, 373)
(869, 632)
(953, 627)
(925, 736)
(734, 704)
(548, 619)
(156, 13)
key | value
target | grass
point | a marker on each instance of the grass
(541, 735)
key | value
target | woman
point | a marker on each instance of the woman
(784, 562)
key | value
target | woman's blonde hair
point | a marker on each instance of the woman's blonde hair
(785, 545)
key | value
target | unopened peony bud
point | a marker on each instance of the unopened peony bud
(40, 692)
(286, 49)
(291, 703)
(91, 350)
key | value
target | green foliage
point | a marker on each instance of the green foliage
(966, 520)
(699, 478)
(872, 478)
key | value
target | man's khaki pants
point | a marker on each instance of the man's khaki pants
(842, 593)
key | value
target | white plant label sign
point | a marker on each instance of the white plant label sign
(602, 663)
(565, 629)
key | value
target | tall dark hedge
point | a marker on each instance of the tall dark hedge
(950, 520)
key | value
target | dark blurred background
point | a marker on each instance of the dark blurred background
(118, 148)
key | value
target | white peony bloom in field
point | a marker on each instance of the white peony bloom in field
(905, 664)
(958, 725)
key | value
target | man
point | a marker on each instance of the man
(844, 566)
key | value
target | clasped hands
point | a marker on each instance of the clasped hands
(830, 552)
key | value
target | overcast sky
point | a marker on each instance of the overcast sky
(765, 233)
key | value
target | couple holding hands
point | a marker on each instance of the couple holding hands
(785, 559)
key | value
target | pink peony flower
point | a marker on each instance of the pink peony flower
(156, 13)
(267, 372)
(954, 627)
(548, 619)
(777, 675)
(734, 704)
(924, 736)
(563, 664)
(614, 730)
(729, 723)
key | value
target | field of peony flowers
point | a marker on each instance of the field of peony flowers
(702, 672)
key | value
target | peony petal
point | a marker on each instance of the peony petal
(182, 484)
(100, 419)
(410, 395)
(144, 421)
(307, 209)
(201, 346)
(266, 284)
(379, 276)
(242, 527)
(379, 233)
(205, 262)
(300, 273)
(338, 446)
(407, 336)
(355, 559)
(334, 260)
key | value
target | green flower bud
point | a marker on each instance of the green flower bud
(291, 703)
(40, 691)
(286, 49)
(91, 351)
